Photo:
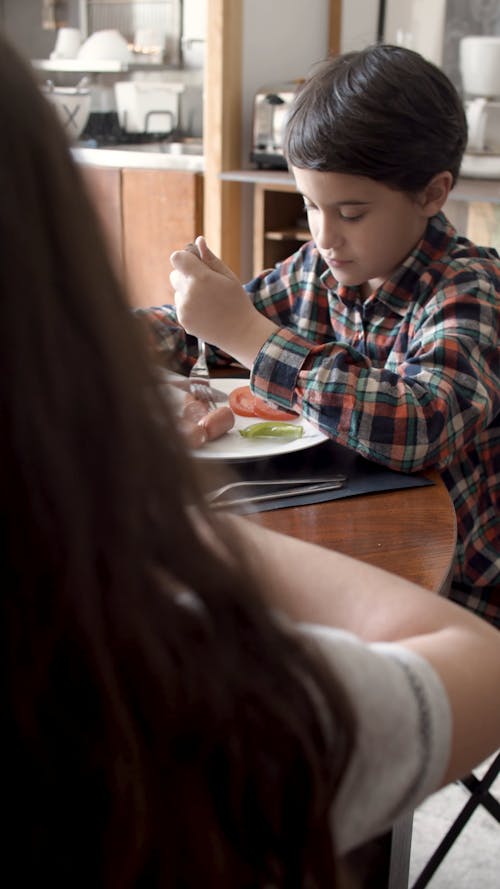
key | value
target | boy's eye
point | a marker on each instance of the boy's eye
(350, 217)
(346, 215)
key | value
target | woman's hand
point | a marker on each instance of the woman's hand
(211, 303)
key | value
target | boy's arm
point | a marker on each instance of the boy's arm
(412, 408)
(410, 412)
(173, 345)
(315, 585)
(212, 303)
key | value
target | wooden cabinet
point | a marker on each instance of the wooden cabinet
(280, 224)
(161, 211)
(104, 185)
(146, 215)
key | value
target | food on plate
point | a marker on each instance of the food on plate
(199, 424)
(217, 422)
(273, 429)
(244, 403)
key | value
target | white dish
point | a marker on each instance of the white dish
(105, 44)
(232, 446)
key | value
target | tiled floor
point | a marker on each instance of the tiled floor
(473, 862)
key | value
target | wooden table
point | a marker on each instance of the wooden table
(413, 534)
(409, 532)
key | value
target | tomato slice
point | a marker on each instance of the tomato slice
(268, 412)
(243, 402)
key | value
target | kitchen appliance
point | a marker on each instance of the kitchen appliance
(479, 57)
(480, 70)
(271, 108)
(483, 121)
(480, 65)
(148, 106)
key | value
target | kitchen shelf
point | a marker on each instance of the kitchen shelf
(279, 228)
(100, 66)
(288, 234)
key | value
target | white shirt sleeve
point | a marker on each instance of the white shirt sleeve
(403, 738)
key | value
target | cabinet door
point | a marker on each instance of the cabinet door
(162, 211)
(104, 186)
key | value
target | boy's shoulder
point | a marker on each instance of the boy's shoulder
(443, 238)
(447, 269)
(451, 256)
(465, 249)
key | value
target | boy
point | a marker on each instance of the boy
(383, 330)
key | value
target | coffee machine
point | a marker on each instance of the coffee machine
(480, 69)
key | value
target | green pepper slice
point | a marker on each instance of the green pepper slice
(273, 429)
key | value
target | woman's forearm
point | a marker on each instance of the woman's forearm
(312, 584)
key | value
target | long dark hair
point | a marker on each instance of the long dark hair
(384, 112)
(160, 728)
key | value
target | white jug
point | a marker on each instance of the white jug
(480, 65)
(483, 121)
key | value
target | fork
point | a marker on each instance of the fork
(280, 494)
(285, 482)
(199, 378)
(199, 375)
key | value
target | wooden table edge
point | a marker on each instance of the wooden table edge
(409, 532)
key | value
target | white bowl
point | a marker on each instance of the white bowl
(72, 106)
(105, 45)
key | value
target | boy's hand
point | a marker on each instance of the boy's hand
(212, 304)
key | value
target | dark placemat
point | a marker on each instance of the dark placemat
(328, 458)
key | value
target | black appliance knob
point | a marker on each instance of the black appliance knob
(274, 99)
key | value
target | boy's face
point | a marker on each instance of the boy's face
(363, 229)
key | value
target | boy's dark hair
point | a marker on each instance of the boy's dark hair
(384, 112)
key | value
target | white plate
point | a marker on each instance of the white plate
(232, 445)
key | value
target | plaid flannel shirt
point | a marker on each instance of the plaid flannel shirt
(408, 378)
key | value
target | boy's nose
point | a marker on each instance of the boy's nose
(328, 235)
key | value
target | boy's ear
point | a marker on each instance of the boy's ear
(435, 193)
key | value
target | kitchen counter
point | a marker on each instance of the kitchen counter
(468, 187)
(150, 156)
